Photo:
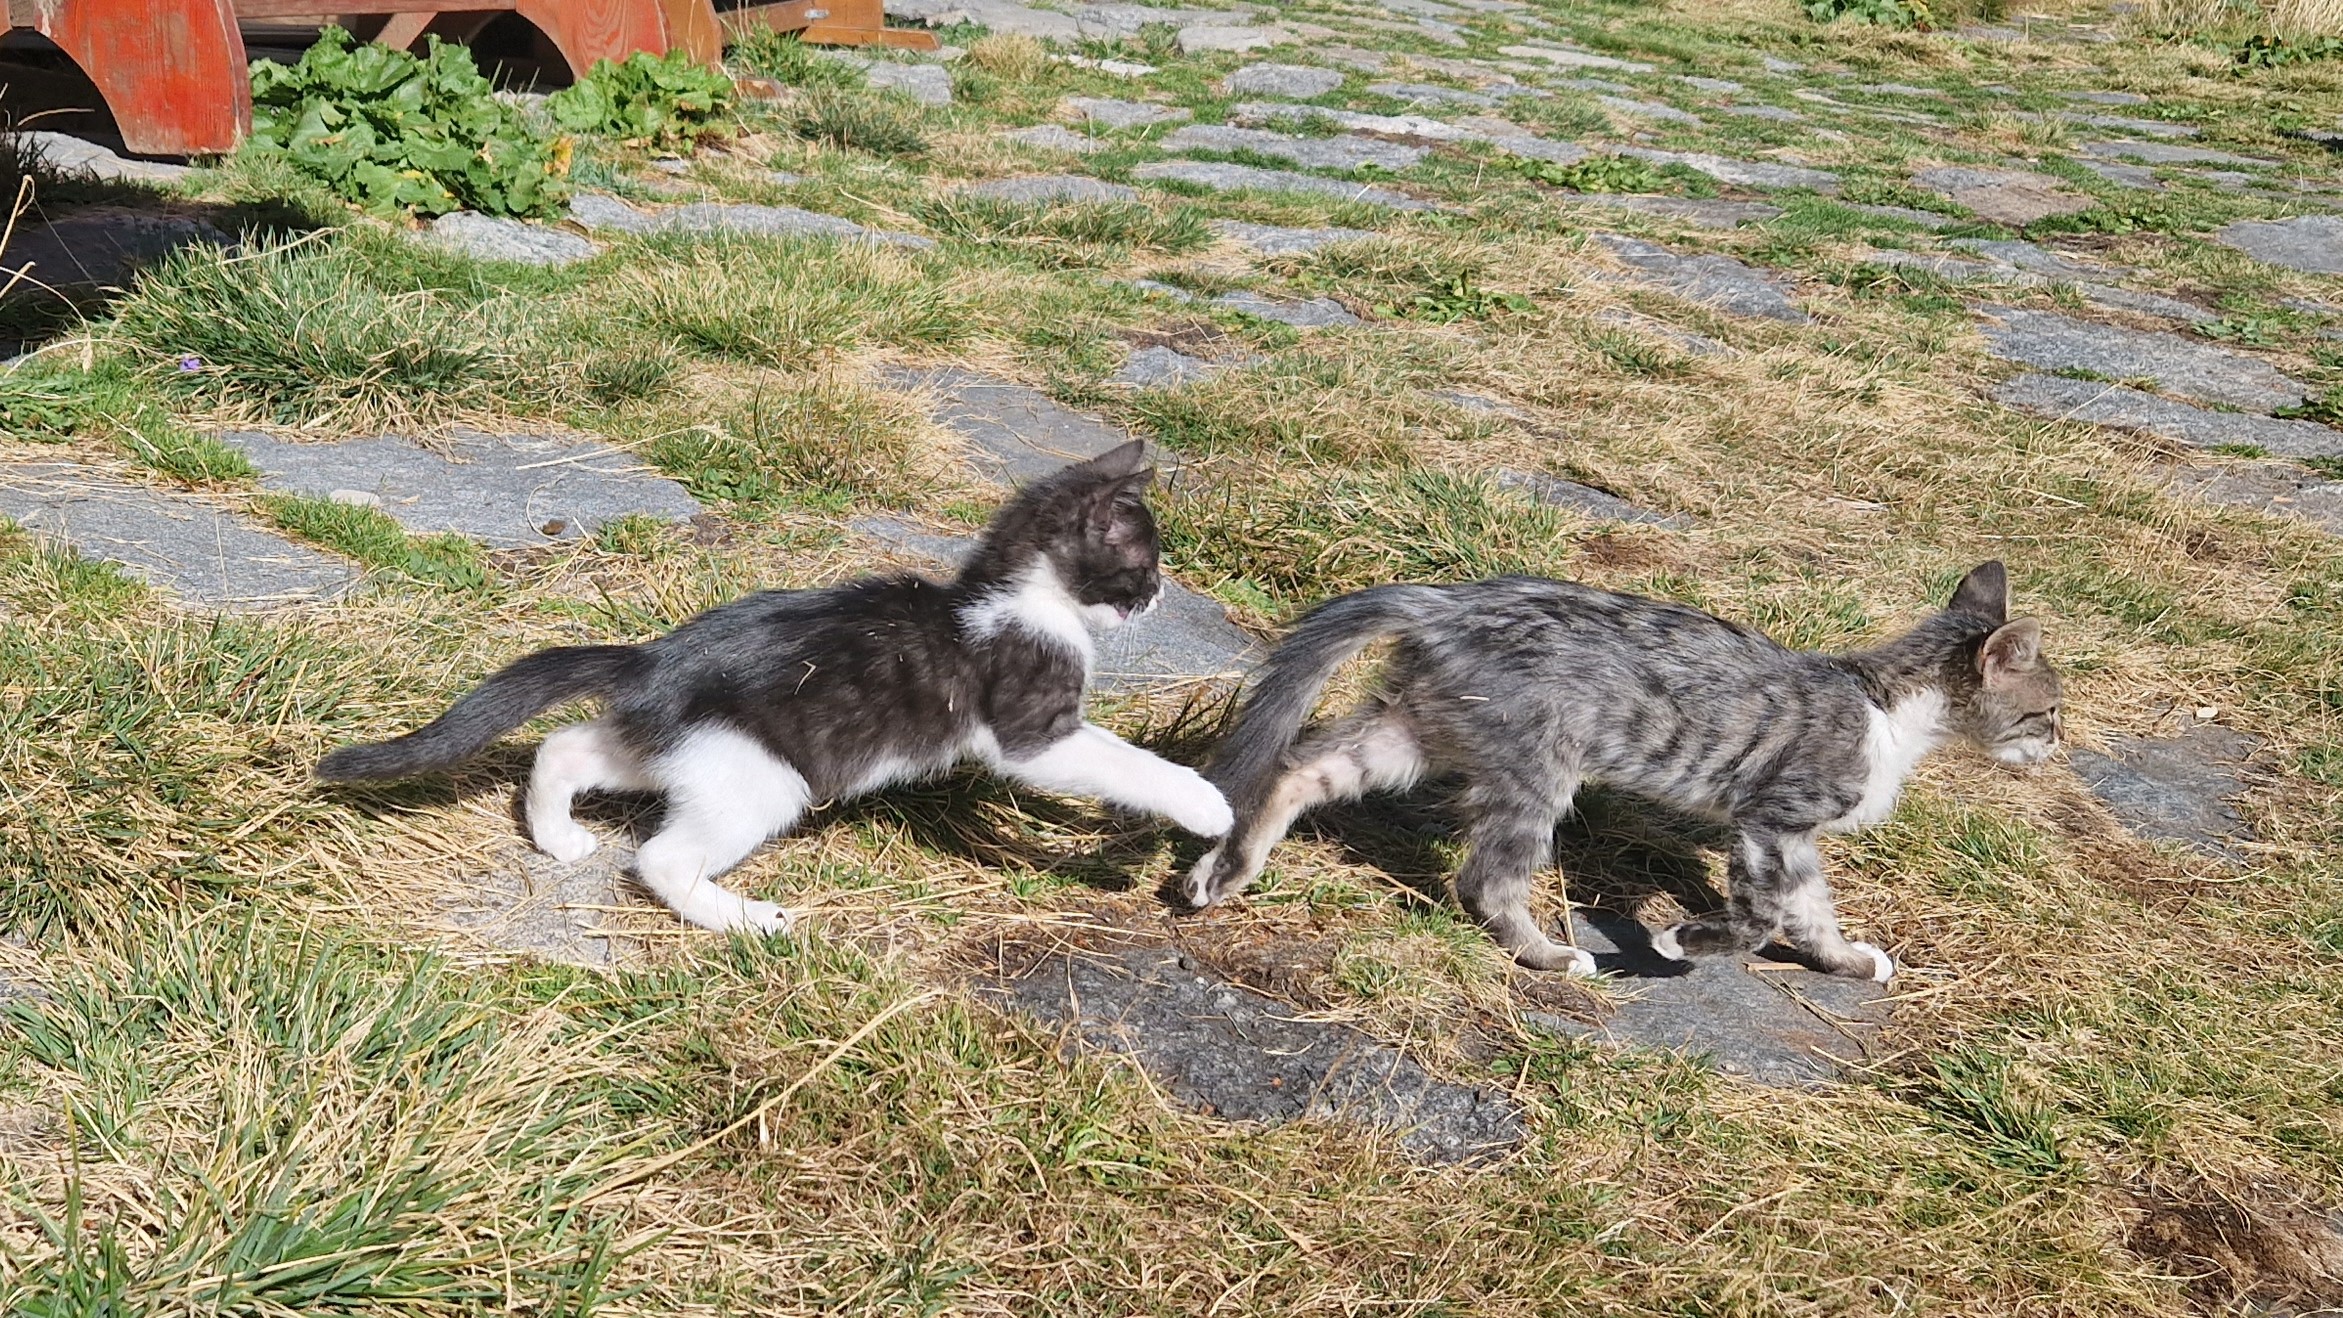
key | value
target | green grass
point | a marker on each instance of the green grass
(1068, 234)
(373, 538)
(860, 121)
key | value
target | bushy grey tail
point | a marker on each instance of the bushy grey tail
(1283, 692)
(511, 697)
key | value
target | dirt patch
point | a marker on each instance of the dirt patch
(2264, 1244)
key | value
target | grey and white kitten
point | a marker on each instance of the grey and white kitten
(1528, 688)
(750, 711)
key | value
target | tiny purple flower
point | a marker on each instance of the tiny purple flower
(191, 363)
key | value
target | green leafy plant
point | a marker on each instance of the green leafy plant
(1882, 13)
(2269, 52)
(656, 100)
(2325, 408)
(2261, 331)
(1597, 174)
(396, 133)
(1461, 299)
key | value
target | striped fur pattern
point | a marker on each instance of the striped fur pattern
(1528, 688)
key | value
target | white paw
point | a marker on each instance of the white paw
(567, 840)
(1198, 807)
(1582, 964)
(1664, 942)
(1883, 966)
(763, 917)
(1200, 894)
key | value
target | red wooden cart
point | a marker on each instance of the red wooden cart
(172, 72)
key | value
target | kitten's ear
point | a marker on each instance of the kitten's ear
(1984, 592)
(2011, 651)
(1118, 512)
(1121, 460)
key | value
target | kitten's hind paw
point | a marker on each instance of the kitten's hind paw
(764, 917)
(1576, 962)
(1883, 966)
(566, 841)
(1666, 944)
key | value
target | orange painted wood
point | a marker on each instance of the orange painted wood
(171, 71)
(863, 23)
(402, 29)
(692, 27)
(589, 30)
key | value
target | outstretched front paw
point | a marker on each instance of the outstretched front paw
(1883, 966)
(763, 917)
(1197, 806)
(568, 840)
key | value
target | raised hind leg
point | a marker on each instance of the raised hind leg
(584, 757)
(1777, 886)
(1511, 837)
(726, 794)
(1368, 750)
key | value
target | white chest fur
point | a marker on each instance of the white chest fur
(1898, 738)
(1038, 604)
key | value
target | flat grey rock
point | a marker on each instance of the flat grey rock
(1187, 639)
(2175, 789)
(2107, 98)
(73, 155)
(1683, 340)
(1045, 189)
(554, 910)
(1718, 85)
(1749, 1016)
(2144, 127)
(1951, 269)
(928, 84)
(2114, 405)
(2165, 153)
(1056, 137)
(1776, 64)
(99, 248)
(600, 210)
(495, 238)
(1119, 68)
(1293, 81)
(506, 491)
(1573, 59)
(1599, 85)
(1426, 93)
(2111, 298)
(1704, 212)
(2189, 368)
(1107, 112)
(1015, 433)
(2034, 258)
(1281, 240)
(1896, 89)
(1744, 173)
(2129, 176)
(1246, 178)
(2311, 243)
(2005, 196)
(1586, 500)
(1003, 16)
(1162, 368)
(2279, 488)
(1355, 121)
(1716, 281)
(1316, 313)
(1198, 40)
(1774, 112)
(1238, 1055)
(676, 166)
(1480, 403)
(1648, 110)
(203, 555)
(1309, 152)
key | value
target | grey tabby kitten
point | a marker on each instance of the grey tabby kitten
(1528, 688)
(746, 715)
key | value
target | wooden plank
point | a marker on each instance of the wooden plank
(308, 8)
(171, 71)
(864, 23)
(402, 29)
(585, 31)
(691, 26)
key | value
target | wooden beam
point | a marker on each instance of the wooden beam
(401, 31)
(299, 8)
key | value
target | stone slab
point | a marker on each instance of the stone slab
(2278, 488)
(2192, 369)
(1779, 114)
(2034, 258)
(98, 248)
(1754, 1016)
(1244, 1057)
(928, 84)
(1314, 313)
(2114, 405)
(1198, 40)
(1297, 82)
(1601, 505)
(1015, 433)
(1308, 152)
(2111, 298)
(1703, 212)
(506, 491)
(2310, 243)
(68, 154)
(2005, 196)
(2165, 153)
(1187, 639)
(204, 555)
(1220, 177)
(1716, 281)
(2129, 176)
(1573, 59)
(2177, 788)
(1356, 121)
(1684, 340)
(1163, 368)
(1056, 137)
(1742, 173)
(1904, 214)
(1722, 86)
(2106, 98)
(600, 210)
(1281, 240)
(1047, 189)
(1107, 112)
(1647, 110)
(496, 238)
(1426, 93)
(551, 909)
